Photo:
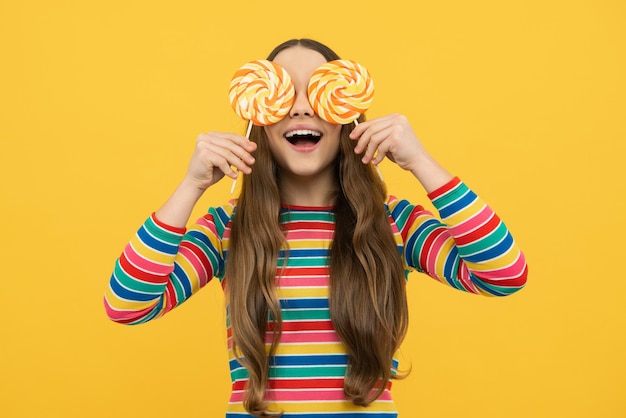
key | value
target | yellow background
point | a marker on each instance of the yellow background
(100, 104)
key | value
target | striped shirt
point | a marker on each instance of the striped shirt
(469, 249)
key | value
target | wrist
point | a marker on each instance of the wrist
(177, 209)
(430, 173)
(191, 188)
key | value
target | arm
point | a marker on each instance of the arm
(212, 159)
(162, 266)
(471, 249)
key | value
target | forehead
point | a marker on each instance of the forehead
(300, 62)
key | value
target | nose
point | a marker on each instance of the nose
(301, 105)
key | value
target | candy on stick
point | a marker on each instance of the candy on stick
(262, 93)
(340, 91)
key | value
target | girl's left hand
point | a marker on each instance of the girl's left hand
(391, 136)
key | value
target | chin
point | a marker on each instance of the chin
(306, 170)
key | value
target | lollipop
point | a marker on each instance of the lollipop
(340, 91)
(261, 92)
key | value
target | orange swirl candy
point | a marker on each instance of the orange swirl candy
(262, 92)
(340, 91)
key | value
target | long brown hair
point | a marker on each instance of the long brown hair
(367, 302)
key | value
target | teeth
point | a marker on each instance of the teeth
(302, 132)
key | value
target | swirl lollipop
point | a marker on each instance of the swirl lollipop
(340, 91)
(261, 92)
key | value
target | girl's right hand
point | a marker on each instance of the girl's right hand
(216, 154)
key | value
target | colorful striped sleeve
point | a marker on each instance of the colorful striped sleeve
(469, 249)
(162, 266)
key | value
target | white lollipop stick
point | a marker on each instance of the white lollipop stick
(232, 187)
(262, 93)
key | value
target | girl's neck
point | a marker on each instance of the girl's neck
(319, 190)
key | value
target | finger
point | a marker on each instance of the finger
(225, 146)
(379, 157)
(382, 152)
(241, 153)
(225, 138)
(218, 166)
(359, 129)
(213, 154)
(375, 146)
(232, 159)
(215, 161)
(241, 141)
(366, 137)
(363, 126)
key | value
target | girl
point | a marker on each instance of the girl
(313, 256)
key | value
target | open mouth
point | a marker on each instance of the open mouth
(303, 137)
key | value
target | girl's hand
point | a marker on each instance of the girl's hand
(389, 136)
(392, 137)
(215, 155)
